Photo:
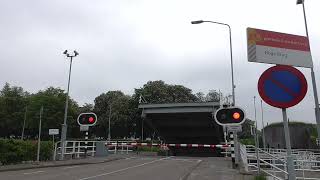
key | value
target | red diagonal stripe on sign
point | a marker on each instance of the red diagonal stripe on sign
(283, 87)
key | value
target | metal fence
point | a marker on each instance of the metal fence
(273, 162)
(75, 149)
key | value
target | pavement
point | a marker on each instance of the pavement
(43, 164)
(217, 168)
(133, 168)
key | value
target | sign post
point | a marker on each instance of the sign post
(286, 49)
(290, 164)
(53, 132)
(283, 87)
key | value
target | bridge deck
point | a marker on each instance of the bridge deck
(184, 123)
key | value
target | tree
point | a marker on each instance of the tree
(212, 96)
(160, 92)
(246, 129)
(13, 100)
(120, 120)
(86, 108)
(157, 92)
(200, 97)
(53, 101)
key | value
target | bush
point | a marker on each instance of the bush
(248, 141)
(260, 177)
(148, 149)
(15, 151)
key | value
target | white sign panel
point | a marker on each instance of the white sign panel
(53, 131)
(278, 48)
(84, 128)
(234, 128)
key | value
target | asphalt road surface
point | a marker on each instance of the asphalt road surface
(133, 168)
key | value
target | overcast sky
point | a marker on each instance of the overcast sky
(125, 43)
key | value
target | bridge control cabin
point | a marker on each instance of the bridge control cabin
(185, 123)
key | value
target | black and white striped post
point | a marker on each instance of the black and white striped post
(232, 149)
(86, 144)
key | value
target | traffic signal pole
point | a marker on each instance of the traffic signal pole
(86, 144)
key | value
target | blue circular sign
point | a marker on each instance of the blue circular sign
(282, 86)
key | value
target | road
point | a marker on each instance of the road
(133, 168)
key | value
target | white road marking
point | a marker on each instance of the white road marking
(70, 167)
(120, 170)
(186, 160)
(130, 158)
(35, 172)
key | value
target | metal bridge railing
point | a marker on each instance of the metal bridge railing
(273, 162)
(120, 147)
(75, 149)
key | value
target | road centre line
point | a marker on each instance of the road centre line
(35, 172)
(124, 169)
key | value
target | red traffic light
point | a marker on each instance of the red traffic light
(87, 119)
(91, 119)
(236, 115)
(229, 116)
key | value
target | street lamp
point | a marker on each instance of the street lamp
(231, 59)
(64, 125)
(315, 93)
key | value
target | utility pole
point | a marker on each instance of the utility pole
(263, 136)
(109, 133)
(39, 135)
(24, 123)
(256, 135)
(141, 129)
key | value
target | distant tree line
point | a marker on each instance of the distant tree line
(17, 104)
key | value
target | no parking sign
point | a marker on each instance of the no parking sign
(282, 86)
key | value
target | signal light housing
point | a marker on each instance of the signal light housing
(87, 119)
(230, 116)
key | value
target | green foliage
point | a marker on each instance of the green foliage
(12, 104)
(125, 116)
(15, 102)
(148, 149)
(246, 129)
(113, 105)
(260, 177)
(160, 92)
(248, 141)
(15, 151)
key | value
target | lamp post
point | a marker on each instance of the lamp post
(64, 125)
(231, 59)
(315, 93)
